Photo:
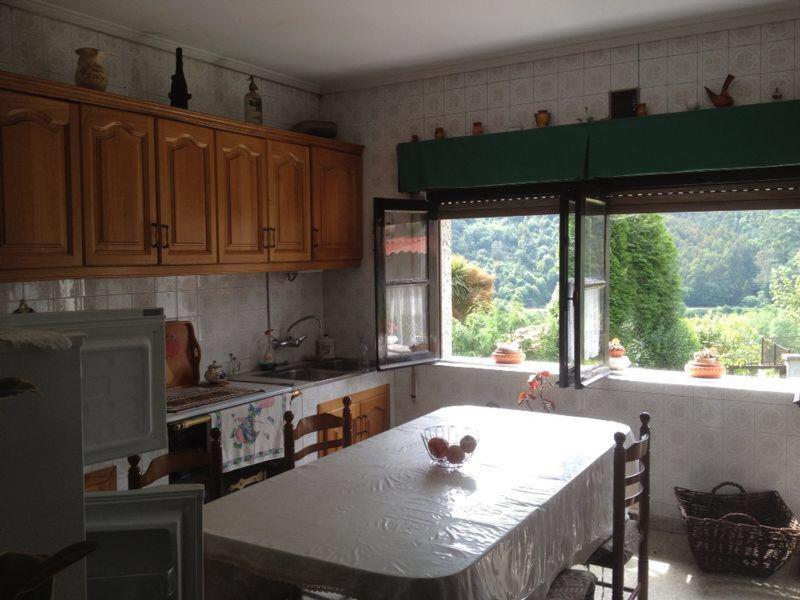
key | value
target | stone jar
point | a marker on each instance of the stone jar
(90, 73)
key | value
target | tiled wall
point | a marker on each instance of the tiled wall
(671, 74)
(43, 47)
(702, 434)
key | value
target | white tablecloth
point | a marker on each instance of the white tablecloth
(378, 520)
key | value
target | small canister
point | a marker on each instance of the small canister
(326, 347)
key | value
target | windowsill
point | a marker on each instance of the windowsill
(653, 377)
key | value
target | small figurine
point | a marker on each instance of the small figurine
(179, 95)
(723, 98)
(477, 128)
(439, 133)
(777, 94)
(252, 104)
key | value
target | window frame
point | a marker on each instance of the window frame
(762, 189)
(432, 282)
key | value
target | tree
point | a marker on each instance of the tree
(646, 304)
(785, 287)
(472, 287)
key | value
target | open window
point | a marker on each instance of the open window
(583, 287)
(407, 283)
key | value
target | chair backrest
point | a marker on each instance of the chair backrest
(182, 460)
(637, 455)
(313, 424)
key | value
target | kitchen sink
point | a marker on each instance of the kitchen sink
(307, 372)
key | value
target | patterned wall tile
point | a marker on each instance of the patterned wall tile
(781, 83)
(777, 31)
(596, 58)
(545, 66)
(778, 56)
(455, 101)
(570, 62)
(712, 64)
(570, 84)
(653, 72)
(682, 45)
(744, 36)
(497, 94)
(714, 40)
(654, 49)
(454, 81)
(497, 74)
(624, 75)
(476, 97)
(622, 54)
(521, 91)
(545, 87)
(520, 70)
(597, 80)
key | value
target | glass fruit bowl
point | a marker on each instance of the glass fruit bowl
(449, 446)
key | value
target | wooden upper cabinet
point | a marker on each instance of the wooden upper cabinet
(187, 194)
(39, 182)
(119, 187)
(289, 202)
(242, 196)
(336, 205)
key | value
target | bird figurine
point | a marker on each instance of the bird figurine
(723, 98)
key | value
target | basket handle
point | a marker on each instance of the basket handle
(740, 518)
(724, 483)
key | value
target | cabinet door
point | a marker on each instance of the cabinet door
(187, 194)
(289, 202)
(119, 176)
(336, 408)
(374, 413)
(336, 196)
(242, 195)
(39, 183)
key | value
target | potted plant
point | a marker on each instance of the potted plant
(508, 353)
(615, 348)
(537, 384)
(705, 365)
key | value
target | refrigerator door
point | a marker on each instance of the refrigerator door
(151, 543)
(124, 389)
(41, 469)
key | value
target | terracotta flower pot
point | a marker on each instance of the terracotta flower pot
(616, 352)
(704, 370)
(508, 358)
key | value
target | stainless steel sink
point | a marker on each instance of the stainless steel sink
(307, 372)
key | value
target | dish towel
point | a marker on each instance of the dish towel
(251, 432)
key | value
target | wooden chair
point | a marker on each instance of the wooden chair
(313, 424)
(182, 460)
(573, 584)
(629, 536)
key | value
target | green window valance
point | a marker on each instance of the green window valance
(746, 137)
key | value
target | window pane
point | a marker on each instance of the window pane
(405, 245)
(406, 319)
(593, 327)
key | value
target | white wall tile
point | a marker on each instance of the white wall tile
(545, 66)
(653, 72)
(714, 40)
(597, 80)
(655, 49)
(624, 75)
(545, 87)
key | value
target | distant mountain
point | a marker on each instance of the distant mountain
(725, 257)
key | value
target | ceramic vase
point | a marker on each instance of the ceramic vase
(542, 118)
(90, 73)
(641, 109)
(439, 133)
(477, 128)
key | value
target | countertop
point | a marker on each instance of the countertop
(261, 389)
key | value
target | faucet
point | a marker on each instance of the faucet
(287, 340)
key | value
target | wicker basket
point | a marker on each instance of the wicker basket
(749, 534)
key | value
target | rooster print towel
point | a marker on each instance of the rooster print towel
(251, 433)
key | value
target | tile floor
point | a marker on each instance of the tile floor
(675, 576)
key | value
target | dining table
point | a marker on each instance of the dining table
(381, 520)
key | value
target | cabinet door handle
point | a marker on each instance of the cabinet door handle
(315, 237)
(165, 231)
(155, 240)
(265, 231)
(366, 425)
(274, 237)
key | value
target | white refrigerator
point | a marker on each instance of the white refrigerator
(101, 397)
